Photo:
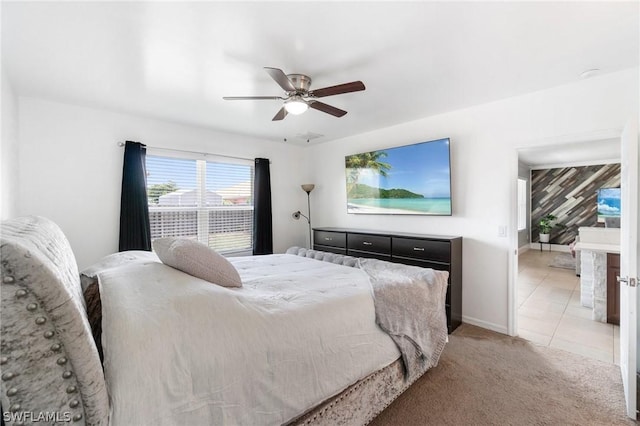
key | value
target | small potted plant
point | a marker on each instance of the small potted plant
(545, 225)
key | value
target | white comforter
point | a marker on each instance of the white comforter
(182, 351)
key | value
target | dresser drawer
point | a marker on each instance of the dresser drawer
(369, 255)
(412, 248)
(369, 243)
(437, 252)
(330, 249)
(329, 238)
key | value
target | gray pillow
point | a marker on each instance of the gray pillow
(198, 260)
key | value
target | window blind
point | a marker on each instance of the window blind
(207, 201)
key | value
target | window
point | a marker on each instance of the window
(208, 201)
(522, 204)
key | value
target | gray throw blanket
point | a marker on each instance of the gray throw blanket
(410, 306)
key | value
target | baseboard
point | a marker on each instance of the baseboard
(549, 247)
(484, 324)
(524, 248)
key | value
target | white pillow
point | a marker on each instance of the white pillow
(198, 260)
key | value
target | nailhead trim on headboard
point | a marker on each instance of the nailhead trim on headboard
(17, 385)
(51, 372)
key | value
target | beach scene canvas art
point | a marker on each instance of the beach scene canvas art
(410, 179)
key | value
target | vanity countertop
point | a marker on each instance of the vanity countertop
(599, 239)
(607, 248)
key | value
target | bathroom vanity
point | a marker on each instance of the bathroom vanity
(600, 267)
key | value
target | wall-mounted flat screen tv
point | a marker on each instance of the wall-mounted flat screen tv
(608, 203)
(411, 180)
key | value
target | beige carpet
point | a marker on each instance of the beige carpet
(486, 378)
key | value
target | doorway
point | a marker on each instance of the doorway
(548, 310)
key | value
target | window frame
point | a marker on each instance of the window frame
(235, 214)
(522, 203)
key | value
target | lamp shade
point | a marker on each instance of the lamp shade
(307, 187)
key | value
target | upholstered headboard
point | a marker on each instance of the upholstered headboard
(49, 363)
(324, 256)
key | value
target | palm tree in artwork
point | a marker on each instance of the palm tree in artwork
(367, 160)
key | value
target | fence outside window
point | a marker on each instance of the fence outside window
(211, 202)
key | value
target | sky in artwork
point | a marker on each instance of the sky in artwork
(421, 168)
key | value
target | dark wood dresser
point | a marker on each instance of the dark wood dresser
(427, 251)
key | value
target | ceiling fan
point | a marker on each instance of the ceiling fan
(298, 96)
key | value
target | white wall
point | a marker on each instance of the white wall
(71, 170)
(8, 150)
(484, 143)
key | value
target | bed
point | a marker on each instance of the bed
(309, 337)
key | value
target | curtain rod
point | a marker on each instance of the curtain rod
(121, 144)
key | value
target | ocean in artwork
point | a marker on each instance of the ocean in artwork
(435, 206)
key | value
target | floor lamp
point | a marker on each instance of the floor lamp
(307, 187)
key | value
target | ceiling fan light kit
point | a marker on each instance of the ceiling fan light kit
(296, 105)
(298, 96)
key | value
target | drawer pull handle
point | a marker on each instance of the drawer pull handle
(367, 243)
(328, 239)
(418, 249)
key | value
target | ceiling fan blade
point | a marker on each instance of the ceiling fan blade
(321, 106)
(280, 115)
(251, 98)
(354, 86)
(281, 78)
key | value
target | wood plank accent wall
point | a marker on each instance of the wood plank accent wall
(570, 194)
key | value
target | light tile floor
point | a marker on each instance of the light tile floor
(550, 313)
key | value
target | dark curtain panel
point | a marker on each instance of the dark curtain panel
(135, 232)
(262, 227)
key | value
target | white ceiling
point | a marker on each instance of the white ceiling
(175, 61)
(581, 153)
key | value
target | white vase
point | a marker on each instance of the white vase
(544, 238)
